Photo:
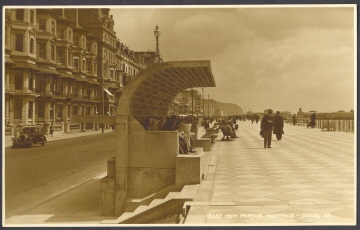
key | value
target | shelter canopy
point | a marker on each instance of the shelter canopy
(152, 92)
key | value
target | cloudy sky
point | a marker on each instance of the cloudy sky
(281, 58)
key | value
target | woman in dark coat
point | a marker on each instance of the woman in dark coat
(278, 125)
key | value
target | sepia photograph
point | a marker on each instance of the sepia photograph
(187, 115)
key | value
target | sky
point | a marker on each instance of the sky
(283, 58)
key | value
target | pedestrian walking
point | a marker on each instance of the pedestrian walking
(312, 120)
(256, 118)
(278, 125)
(294, 119)
(51, 129)
(267, 124)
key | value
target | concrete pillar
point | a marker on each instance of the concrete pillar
(24, 111)
(47, 112)
(66, 115)
(122, 123)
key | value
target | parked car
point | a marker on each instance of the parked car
(29, 135)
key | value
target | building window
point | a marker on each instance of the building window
(83, 64)
(95, 67)
(31, 45)
(76, 41)
(69, 58)
(32, 16)
(83, 43)
(74, 111)
(87, 110)
(111, 73)
(60, 56)
(69, 36)
(52, 27)
(95, 49)
(87, 90)
(88, 65)
(59, 111)
(42, 50)
(20, 14)
(41, 109)
(59, 86)
(30, 112)
(42, 24)
(18, 79)
(7, 34)
(53, 52)
(76, 63)
(88, 48)
(17, 108)
(19, 42)
(52, 111)
(60, 34)
(31, 81)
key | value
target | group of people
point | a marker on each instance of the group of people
(271, 125)
(228, 126)
(312, 122)
(174, 123)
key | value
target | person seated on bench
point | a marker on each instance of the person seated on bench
(184, 131)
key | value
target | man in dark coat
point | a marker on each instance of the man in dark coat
(267, 124)
(312, 121)
(278, 125)
(294, 119)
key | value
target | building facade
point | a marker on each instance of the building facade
(64, 62)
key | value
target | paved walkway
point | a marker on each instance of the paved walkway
(306, 178)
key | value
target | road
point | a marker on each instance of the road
(33, 175)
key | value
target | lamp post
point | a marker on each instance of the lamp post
(157, 33)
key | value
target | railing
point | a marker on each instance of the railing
(331, 124)
(74, 126)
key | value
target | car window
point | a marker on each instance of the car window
(28, 131)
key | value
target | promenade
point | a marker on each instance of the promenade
(306, 178)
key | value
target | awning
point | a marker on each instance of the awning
(26, 66)
(108, 92)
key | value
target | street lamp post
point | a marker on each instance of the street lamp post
(103, 105)
(157, 33)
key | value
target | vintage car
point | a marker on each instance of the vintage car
(29, 135)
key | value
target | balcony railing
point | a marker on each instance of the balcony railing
(10, 87)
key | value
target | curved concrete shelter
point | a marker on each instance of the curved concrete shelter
(145, 160)
(154, 89)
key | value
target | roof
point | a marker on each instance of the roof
(49, 71)
(26, 65)
(152, 92)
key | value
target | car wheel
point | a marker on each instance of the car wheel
(43, 143)
(30, 145)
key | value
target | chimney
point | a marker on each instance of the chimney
(77, 17)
